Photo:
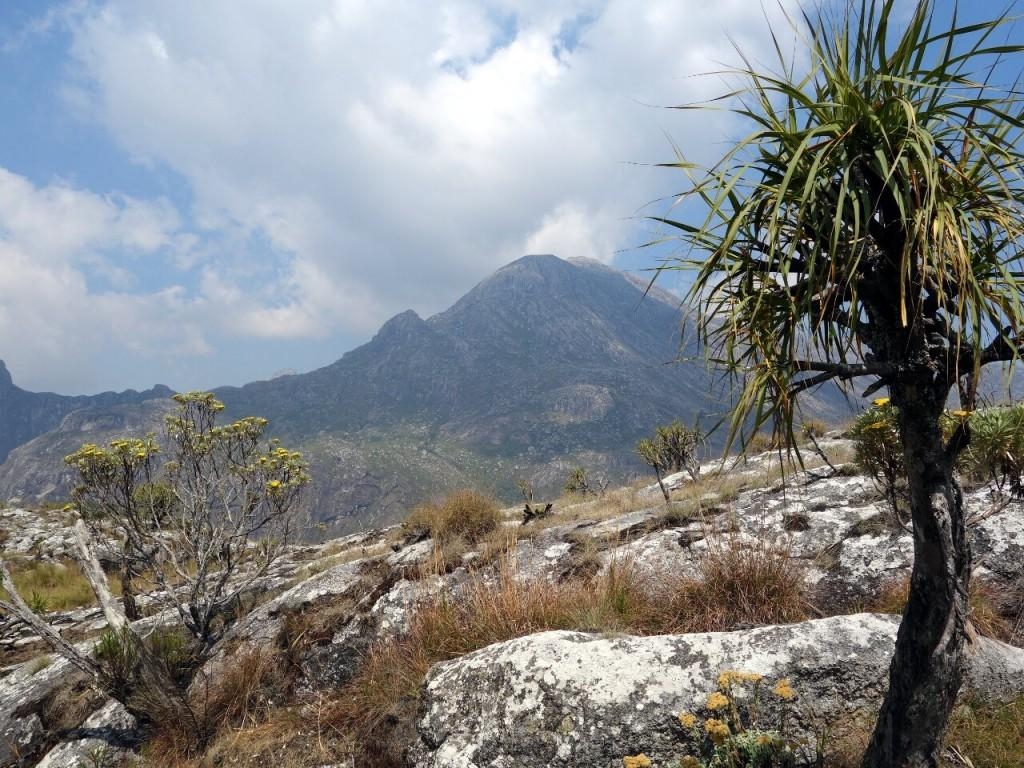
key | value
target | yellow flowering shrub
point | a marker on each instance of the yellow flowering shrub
(728, 740)
(783, 690)
(717, 700)
(878, 451)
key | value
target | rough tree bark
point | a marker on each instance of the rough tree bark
(927, 667)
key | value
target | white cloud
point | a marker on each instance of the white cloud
(400, 150)
(58, 222)
(69, 268)
(347, 160)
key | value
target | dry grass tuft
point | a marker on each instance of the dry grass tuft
(742, 585)
(292, 737)
(991, 736)
(245, 695)
(467, 515)
(992, 609)
(987, 735)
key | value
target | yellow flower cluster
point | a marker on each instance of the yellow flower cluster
(783, 690)
(687, 720)
(717, 730)
(717, 700)
(637, 761)
(731, 676)
(881, 402)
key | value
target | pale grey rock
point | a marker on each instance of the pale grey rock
(394, 610)
(23, 691)
(18, 737)
(411, 555)
(42, 534)
(542, 558)
(105, 738)
(624, 527)
(572, 699)
(261, 627)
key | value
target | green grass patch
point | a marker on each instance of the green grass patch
(51, 586)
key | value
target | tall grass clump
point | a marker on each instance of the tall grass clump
(740, 585)
(466, 514)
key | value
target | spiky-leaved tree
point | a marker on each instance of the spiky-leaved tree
(870, 226)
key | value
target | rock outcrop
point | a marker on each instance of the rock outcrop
(574, 699)
(558, 698)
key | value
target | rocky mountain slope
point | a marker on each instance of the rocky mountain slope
(579, 696)
(543, 366)
(25, 415)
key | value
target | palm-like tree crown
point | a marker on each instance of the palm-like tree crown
(871, 223)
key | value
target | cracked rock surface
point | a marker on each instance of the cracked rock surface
(574, 699)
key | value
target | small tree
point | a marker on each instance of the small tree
(878, 451)
(204, 524)
(208, 520)
(673, 449)
(577, 482)
(870, 225)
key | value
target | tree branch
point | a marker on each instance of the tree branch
(845, 370)
(19, 609)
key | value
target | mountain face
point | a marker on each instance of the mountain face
(25, 415)
(543, 366)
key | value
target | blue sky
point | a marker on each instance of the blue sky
(200, 193)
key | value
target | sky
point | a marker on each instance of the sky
(208, 192)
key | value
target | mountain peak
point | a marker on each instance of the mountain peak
(6, 382)
(402, 324)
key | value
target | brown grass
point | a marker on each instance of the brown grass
(745, 586)
(245, 695)
(988, 735)
(990, 607)
(466, 515)
(991, 736)
(738, 586)
(292, 737)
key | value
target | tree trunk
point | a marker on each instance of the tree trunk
(664, 490)
(927, 667)
(131, 608)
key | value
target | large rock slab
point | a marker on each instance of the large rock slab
(574, 699)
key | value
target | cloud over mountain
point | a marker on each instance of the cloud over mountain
(342, 161)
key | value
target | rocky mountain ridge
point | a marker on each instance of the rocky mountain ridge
(545, 365)
(25, 415)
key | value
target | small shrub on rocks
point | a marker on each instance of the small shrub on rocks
(996, 449)
(879, 453)
(721, 738)
(466, 514)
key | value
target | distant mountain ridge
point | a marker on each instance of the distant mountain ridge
(544, 365)
(25, 415)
